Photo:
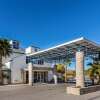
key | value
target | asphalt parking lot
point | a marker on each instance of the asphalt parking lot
(51, 92)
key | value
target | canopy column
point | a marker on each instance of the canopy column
(30, 76)
(80, 68)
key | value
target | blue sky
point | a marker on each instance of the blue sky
(45, 23)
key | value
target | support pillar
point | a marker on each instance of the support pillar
(40, 76)
(30, 68)
(80, 69)
(65, 73)
(33, 76)
(24, 80)
(55, 79)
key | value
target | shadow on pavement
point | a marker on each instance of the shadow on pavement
(94, 98)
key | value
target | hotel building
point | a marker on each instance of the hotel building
(32, 65)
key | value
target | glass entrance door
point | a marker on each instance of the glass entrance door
(40, 77)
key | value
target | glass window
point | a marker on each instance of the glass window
(28, 60)
(38, 61)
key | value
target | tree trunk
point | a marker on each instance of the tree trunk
(98, 79)
(1, 78)
(65, 74)
(92, 81)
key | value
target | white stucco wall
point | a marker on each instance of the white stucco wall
(16, 62)
(31, 49)
(16, 66)
(50, 75)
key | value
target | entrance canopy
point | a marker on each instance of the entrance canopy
(78, 49)
(68, 48)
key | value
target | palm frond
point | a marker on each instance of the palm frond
(5, 48)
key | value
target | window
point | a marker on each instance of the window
(38, 61)
(35, 50)
(15, 45)
(28, 59)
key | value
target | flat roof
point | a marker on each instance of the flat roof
(67, 48)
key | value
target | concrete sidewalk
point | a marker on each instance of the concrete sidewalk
(12, 87)
(24, 92)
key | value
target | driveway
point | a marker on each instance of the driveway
(50, 92)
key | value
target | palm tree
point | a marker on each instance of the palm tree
(67, 63)
(94, 71)
(60, 68)
(5, 50)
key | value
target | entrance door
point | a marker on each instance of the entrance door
(40, 77)
(35, 77)
(45, 77)
(27, 77)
